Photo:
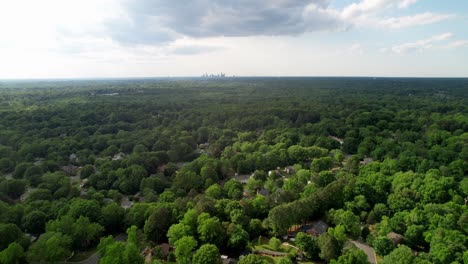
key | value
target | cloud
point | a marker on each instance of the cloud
(364, 8)
(458, 44)
(75, 27)
(148, 22)
(420, 45)
(416, 20)
(193, 49)
(356, 49)
(406, 3)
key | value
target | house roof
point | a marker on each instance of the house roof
(166, 248)
(395, 237)
(316, 228)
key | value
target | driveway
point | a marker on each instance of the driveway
(368, 250)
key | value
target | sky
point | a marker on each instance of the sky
(160, 38)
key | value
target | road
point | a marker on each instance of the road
(368, 250)
(94, 259)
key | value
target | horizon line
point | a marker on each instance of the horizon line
(226, 77)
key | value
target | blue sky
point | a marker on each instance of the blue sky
(144, 38)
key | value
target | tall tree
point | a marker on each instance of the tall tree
(207, 253)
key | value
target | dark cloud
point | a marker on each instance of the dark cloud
(155, 21)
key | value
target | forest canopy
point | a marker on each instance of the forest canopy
(188, 170)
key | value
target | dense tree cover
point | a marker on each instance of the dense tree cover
(211, 165)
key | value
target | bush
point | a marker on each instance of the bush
(274, 243)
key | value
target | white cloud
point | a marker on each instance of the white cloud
(458, 44)
(369, 14)
(356, 48)
(415, 20)
(365, 8)
(421, 45)
(406, 3)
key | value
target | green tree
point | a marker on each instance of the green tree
(112, 217)
(446, 246)
(132, 255)
(382, 245)
(9, 234)
(120, 252)
(210, 230)
(329, 247)
(14, 254)
(184, 248)
(352, 255)
(132, 235)
(338, 232)
(83, 232)
(34, 222)
(285, 261)
(104, 242)
(157, 224)
(13, 188)
(177, 231)
(207, 253)
(233, 189)
(86, 232)
(33, 175)
(274, 243)
(252, 259)
(414, 236)
(214, 191)
(401, 255)
(238, 237)
(50, 247)
(114, 254)
(307, 244)
(20, 169)
(136, 215)
(348, 220)
(86, 171)
(6, 165)
(87, 208)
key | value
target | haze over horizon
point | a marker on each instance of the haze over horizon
(123, 38)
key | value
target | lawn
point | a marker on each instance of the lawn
(264, 245)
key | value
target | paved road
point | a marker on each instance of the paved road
(94, 259)
(368, 250)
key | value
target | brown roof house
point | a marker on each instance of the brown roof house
(166, 249)
(396, 238)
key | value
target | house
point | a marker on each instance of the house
(273, 173)
(366, 161)
(70, 170)
(226, 260)
(107, 201)
(289, 170)
(396, 238)
(118, 156)
(126, 204)
(147, 254)
(316, 228)
(162, 168)
(166, 249)
(73, 157)
(243, 178)
(84, 182)
(263, 192)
